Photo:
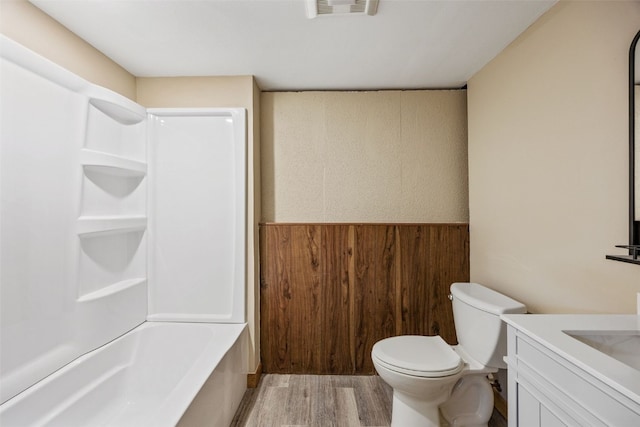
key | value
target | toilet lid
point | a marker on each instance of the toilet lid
(418, 355)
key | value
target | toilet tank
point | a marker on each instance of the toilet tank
(476, 314)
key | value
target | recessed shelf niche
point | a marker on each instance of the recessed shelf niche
(112, 223)
(119, 130)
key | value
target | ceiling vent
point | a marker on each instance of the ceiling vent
(317, 8)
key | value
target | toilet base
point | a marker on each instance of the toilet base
(471, 402)
(410, 411)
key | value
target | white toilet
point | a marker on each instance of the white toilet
(426, 373)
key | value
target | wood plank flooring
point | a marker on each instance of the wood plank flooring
(316, 400)
(319, 401)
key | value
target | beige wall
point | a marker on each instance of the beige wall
(388, 156)
(548, 162)
(29, 26)
(234, 91)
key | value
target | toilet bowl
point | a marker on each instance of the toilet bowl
(471, 402)
(430, 377)
(422, 371)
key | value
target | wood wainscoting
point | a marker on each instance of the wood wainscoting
(330, 291)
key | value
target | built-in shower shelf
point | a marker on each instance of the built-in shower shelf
(116, 106)
(92, 226)
(113, 289)
(110, 164)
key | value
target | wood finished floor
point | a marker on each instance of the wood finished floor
(319, 401)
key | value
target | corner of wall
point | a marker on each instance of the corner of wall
(29, 26)
(257, 212)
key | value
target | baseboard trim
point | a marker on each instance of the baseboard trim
(254, 379)
(500, 404)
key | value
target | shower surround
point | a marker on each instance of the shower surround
(122, 245)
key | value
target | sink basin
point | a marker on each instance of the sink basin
(623, 346)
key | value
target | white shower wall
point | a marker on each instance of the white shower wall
(67, 286)
(197, 171)
(75, 179)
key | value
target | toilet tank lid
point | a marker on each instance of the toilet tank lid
(486, 299)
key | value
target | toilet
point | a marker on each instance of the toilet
(429, 376)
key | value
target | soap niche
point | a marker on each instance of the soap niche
(108, 194)
(106, 134)
(111, 261)
(112, 222)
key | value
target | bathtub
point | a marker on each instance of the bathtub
(158, 374)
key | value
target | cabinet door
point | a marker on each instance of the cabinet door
(528, 409)
(548, 419)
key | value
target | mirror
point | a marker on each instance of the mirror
(634, 142)
(635, 139)
(634, 158)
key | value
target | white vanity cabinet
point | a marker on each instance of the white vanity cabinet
(556, 380)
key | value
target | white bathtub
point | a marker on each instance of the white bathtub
(158, 374)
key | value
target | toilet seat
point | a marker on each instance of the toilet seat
(420, 356)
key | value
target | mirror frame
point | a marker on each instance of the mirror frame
(634, 225)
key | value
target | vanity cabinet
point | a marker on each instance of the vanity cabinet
(548, 389)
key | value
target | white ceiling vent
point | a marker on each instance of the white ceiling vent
(317, 8)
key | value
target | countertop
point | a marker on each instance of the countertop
(548, 330)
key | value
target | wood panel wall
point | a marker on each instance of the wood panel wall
(330, 291)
